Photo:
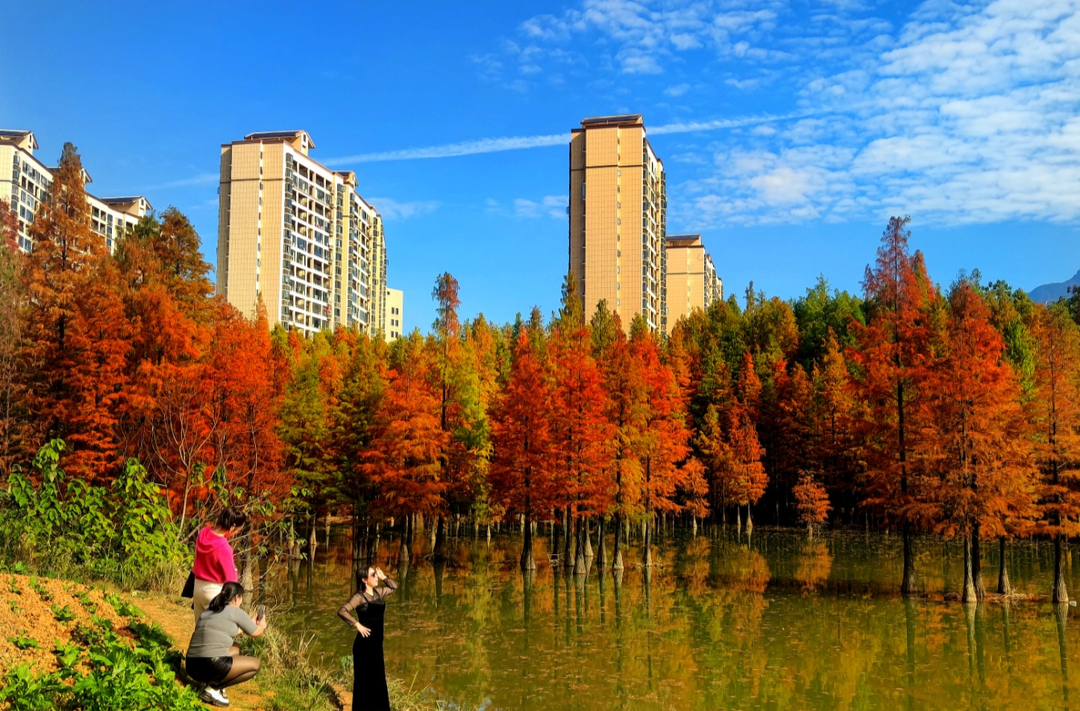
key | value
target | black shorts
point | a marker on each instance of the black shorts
(208, 670)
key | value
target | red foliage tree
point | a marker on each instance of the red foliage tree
(662, 443)
(812, 502)
(12, 305)
(892, 363)
(982, 476)
(1055, 416)
(74, 332)
(408, 440)
(581, 434)
(521, 474)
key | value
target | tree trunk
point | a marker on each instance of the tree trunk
(601, 554)
(438, 552)
(616, 557)
(976, 563)
(968, 593)
(908, 586)
(646, 541)
(1061, 593)
(528, 562)
(404, 556)
(579, 548)
(567, 535)
(1004, 586)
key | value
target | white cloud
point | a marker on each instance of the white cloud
(461, 148)
(391, 209)
(553, 206)
(677, 90)
(967, 115)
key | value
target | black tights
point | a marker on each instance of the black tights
(243, 669)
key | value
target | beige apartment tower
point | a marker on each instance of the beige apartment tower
(395, 307)
(617, 219)
(25, 182)
(692, 282)
(298, 235)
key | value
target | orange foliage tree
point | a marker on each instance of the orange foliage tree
(75, 338)
(892, 363)
(981, 475)
(408, 440)
(1055, 415)
(662, 442)
(522, 465)
(12, 305)
(812, 502)
(581, 434)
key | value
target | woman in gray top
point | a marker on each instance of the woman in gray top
(212, 658)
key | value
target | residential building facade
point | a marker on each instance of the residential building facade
(395, 307)
(618, 205)
(25, 183)
(692, 282)
(298, 235)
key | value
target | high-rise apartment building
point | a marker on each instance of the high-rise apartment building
(617, 219)
(299, 235)
(692, 282)
(395, 307)
(25, 182)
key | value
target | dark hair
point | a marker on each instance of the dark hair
(231, 517)
(228, 592)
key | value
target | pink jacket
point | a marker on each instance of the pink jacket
(213, 558)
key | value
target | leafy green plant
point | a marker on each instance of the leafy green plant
(124, 609)
(22, 690)
(40, 589)
(15, 609)
(89, 604)
(63, 614)
(67, 655)
(124, 532)
(13, 587)
(23, 642)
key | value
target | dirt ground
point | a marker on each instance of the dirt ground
(26, 613)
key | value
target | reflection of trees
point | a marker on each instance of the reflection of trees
(815, 564)
(705, 631)
(741, 568)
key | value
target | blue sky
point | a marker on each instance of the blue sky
(790, 131)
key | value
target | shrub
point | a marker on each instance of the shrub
(124, 533)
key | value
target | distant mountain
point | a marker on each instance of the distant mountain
(1048, 293)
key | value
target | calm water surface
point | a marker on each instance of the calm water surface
(724, 622)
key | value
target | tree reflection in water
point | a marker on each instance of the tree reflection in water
(778, 622)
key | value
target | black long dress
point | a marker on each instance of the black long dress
(369, 667)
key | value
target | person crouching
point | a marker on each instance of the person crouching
(212, 657)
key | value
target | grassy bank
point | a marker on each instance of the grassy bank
(66, 645)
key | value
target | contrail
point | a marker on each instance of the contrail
(513, 143)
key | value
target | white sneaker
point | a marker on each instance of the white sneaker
(213, 697)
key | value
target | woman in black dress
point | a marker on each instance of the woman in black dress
(369, 668)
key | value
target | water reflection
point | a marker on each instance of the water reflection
(722, 621)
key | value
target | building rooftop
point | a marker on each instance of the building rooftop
(15, 133)
(684, 240)
(261, 135)
(622, 120)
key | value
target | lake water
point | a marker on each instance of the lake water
(773, 621)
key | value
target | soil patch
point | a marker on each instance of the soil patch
(36, 614)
